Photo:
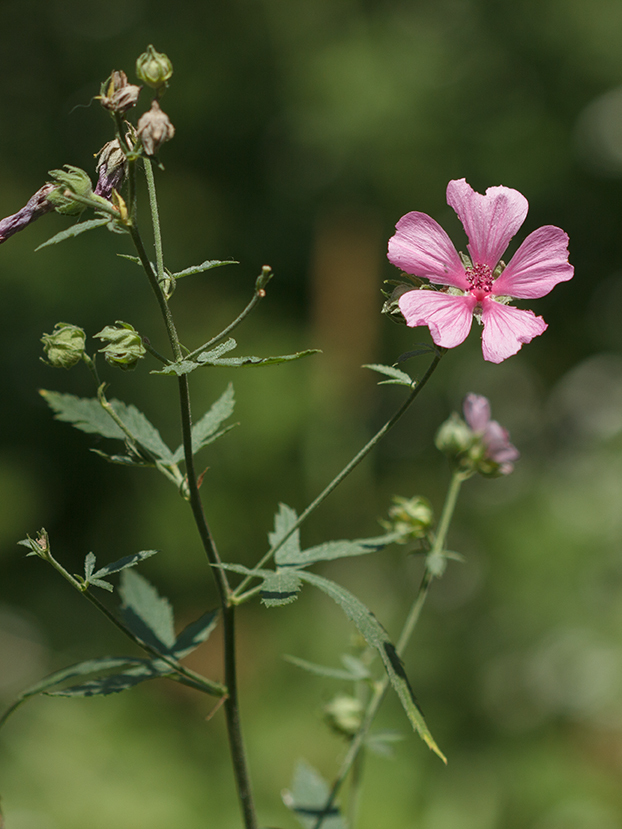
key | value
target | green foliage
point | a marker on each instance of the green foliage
(193, 634)
(92, 577)
(280, 587)
(346, 675)
(307, 797)
(204, 266)
(74, 230)
(114, 683)
(146, 613)
(398, 378)
(376, 636)
(214, 357)
(205, 430)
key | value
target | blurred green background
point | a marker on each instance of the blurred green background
(304, 131)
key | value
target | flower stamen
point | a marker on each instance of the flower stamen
(480, 279)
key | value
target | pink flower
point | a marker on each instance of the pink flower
(481, 286)
(495, 439)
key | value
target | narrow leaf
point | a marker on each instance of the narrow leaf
(148, 614)
(307, 797)
(134, 259)
(284, 520)
(321, 670)
(194, 633)
(337, 549)
(91, 666)
(205, 266)
(280, 587)
(206, 429)
(422, 348)
(376, 636)
(208, 358)
(123, 563)
(74, 230)
(398, 377)
(89, 565)
(114, 683)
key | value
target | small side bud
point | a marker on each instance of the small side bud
(39, 546)
(411, 517)
(117, 94)
(154, 128)
(111, 169)
(64, 347)
(154, 68)
(262, 280)
(72, 181)
(344, 714)
(124, 345)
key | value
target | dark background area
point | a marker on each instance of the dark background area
(304, 132)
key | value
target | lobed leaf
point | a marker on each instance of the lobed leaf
(376, 636)
(91, 666)
(205, 266)
(330, 550)
(123, 563)
(308, 796)
(114, 683)
(398, 377)
(147, 614)
(280, 587)
(205, 431)
(74, 230)
(284, 520)
(214, 358)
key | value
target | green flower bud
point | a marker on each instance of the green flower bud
(153, 68)
(71, 181)
(154, 128)
(344, 714)
(411, 517)
(64, 347)
(124, 345)
(454, 437)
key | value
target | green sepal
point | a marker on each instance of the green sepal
(204, 266)
(308, 797)
(74, 230)
(376, 636)
(398, 378)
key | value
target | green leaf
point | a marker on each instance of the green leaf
(381, 742)
(336, 549)
(205, 266)
(307, 797)
(205, 431)
(280, 587)
(376, 636)
(114, 683)
(399, 378)
(147, 614)
(134, 259)
(123, 563)
(284, 520)
(422, 348)
(321, 670)
(91, 666)
(236, 362)
(214, 358)
(194, 633)
(88, 415)
(89, 565)
(74, 230)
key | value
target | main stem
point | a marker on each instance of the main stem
(232, 712)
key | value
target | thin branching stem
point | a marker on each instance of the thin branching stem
(408, 628)
(238, 594)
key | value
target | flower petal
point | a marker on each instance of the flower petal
(448, 317)
(537, 266)
(476, 410)
(506, 329)
(498, 446)
(490, 220)
(420, 246)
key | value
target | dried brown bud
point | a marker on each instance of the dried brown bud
(117, 95)
(111, 169)
(154, 128)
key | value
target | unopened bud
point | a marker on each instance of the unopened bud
(64, 347)
(344, 714)
(72, 181)
(111, 169)
(153, 68)
(154, 128)
(411, 517)
(124, 345)
(454, 437)
(116, 94)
